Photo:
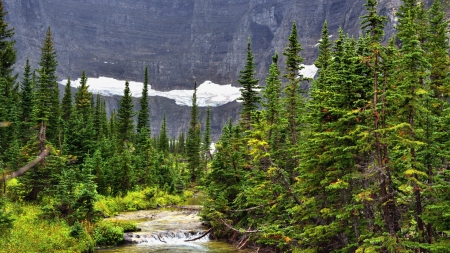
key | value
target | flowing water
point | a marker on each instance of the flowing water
(167, 231)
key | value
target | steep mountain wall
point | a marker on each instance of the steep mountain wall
(180, 40)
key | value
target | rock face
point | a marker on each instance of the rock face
(180, 40)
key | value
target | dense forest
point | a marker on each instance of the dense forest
(356, 163)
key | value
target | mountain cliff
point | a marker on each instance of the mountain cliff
(180, 40)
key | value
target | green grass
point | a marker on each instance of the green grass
(32, 234)
(148, 198)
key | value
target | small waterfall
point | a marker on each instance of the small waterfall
(169, 237)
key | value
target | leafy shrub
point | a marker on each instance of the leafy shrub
(108, 233)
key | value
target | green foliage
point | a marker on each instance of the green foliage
(125, 122)
(47, 93)
(144, 114)
(6, 221)
(250, 88)
(108, 233)
(193, 140)
(32, 234)
(146, 198)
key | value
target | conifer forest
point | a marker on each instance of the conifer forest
(354, 160)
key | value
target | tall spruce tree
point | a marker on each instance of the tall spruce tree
(409, 97)
(125, 122)
(8, 54)
(47, 73)
(250, 89)
(193, 139)
(163, 140)
(374, 25)
(7, 59)
(83, 98)
(293, 93)
(27, 95)
(144, 114)
(66, 103)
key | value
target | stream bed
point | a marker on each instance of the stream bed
(167, 230)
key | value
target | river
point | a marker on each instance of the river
(167, 230)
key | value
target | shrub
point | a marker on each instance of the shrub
(108, 233)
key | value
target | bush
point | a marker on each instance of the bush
(147, 198)
(108, 233)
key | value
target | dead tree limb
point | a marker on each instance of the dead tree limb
(200, 237)
(25, 168)
(237, 230)
(250, 208)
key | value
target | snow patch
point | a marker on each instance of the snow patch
(308, 71)
(208, 93)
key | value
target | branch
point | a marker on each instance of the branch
(237, 230)
(200, 237)
(25, 168)
(250, 208)
(286, 183)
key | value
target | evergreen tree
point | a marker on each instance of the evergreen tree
(27, 96)
(272, 103)
(83, 98)
(250, 89)
(66, 104)
(294, 102)
(47, 73)
(125, 122)
(206, 145)
(8, 54)
(193, 139)
(375, 25)
(143, 115)
(409, 97)
(7, 90)
(163, 140)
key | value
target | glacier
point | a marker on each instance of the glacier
(208, 93)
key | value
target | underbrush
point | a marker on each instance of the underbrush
(148, 198)
(32, 234)
(111, 232)
(33, 231)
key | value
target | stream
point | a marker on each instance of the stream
(166, 230)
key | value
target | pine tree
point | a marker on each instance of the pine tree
(272, 103)
(47, 73)
(8, 54)
(193, 139)
(163, 140)
(27, 94)
(250, 89)
(143, 116)
(206, 145)
(375, 25)
(7, 90)
(409, 98)
(83, 98)
(66, 104)
(294, 102)
(125, 122)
